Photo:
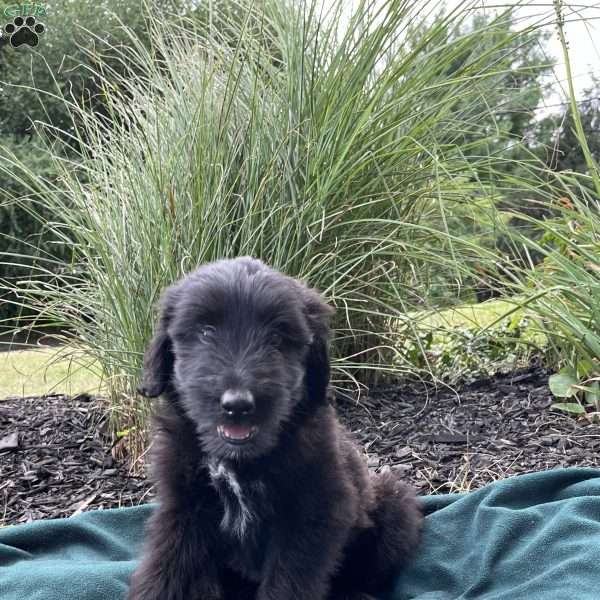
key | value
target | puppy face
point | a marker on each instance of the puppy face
(243, 347)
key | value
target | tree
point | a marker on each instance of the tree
(33, 83)
(562, 151)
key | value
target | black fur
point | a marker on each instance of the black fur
(290, 514)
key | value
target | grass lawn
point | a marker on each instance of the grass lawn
(492, 314)
(46, 371)
(471, 315)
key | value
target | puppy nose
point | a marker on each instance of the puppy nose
(237, 402)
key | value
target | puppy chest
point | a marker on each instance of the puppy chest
(244, 523)
(244, 502)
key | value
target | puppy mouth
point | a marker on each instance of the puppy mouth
(237, 434)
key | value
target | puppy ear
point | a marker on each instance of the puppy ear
(318, 313)
(159, 358)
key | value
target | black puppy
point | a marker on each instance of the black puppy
(262, 495)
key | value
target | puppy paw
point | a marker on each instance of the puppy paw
(399, 514)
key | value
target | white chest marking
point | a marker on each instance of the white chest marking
(237, 516)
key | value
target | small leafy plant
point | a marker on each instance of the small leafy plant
(578, 387)
(454, 355)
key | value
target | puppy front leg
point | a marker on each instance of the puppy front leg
(301, 566)
(176, 563)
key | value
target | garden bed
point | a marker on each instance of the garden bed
(57, 457)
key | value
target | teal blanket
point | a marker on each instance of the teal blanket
(529, 537)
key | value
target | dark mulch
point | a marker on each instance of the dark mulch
(57, 457)
(63, 463)
(451, 441)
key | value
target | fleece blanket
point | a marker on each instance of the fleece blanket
(530, 537)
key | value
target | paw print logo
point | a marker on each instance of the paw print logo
(24, 31)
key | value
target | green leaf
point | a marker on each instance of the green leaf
(515, 320)
(585, 367)
(592, 393)
(561, 383)
(569, 407)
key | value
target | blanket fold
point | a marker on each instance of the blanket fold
(533, 536)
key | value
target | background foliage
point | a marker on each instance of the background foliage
(390, 155)
(80, 38)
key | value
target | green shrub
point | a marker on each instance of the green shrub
(561, 292)
(23, 237)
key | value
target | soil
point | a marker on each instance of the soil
(58, 458)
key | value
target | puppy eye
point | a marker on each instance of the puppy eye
(275, 339)
(206, 331)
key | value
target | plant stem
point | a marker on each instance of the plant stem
(589, 159)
